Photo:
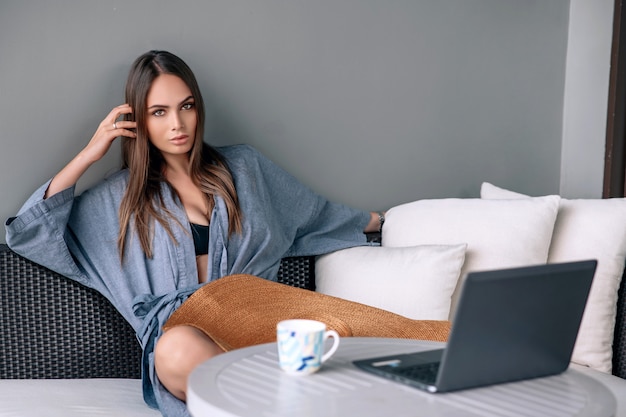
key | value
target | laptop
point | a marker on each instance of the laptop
(510, 325)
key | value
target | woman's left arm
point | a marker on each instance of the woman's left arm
(377, 219)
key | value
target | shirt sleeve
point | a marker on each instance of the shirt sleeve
(330, 227)
(39, 229)
(311, 224)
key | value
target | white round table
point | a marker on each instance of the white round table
(248, 383)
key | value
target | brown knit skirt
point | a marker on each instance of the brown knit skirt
(242, 310)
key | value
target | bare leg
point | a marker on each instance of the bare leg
(178, 351)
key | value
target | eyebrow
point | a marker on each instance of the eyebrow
(165, 107)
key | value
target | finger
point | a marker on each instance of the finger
(123, 128)
(124, 109)
(110, 121)
(128, 134)
(117, 112)
(124, 124)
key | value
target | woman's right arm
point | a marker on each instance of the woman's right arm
(38, 232)
(98, 146)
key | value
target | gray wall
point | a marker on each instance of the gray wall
(586, 98)
(371, 103)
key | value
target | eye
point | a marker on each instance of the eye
(188, 106)
(158, 113)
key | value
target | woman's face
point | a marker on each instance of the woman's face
(171, 119)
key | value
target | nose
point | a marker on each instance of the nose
(177, 121)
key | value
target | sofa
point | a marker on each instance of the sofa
(65, 351)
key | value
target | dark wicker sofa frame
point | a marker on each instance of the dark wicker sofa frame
(53, 327)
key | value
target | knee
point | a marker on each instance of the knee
(177, 352)
(169, 351)
(180, 349)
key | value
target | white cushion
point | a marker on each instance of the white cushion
(589, 229)
(499, 233)
(416, 282)
(73, 398)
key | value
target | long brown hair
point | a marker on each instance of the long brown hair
(143, 203)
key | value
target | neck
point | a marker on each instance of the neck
(176, 165)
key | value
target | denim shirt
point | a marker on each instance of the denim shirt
(76, 236)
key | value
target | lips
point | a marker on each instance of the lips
(179, 140)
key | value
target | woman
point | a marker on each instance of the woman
(177, 215)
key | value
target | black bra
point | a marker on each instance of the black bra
(200, 238)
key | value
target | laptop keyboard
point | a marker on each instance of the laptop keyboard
(423, 372)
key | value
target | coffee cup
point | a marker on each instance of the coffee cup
(301, 345)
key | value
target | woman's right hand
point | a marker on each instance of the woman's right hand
(108, 130)
(100, 143)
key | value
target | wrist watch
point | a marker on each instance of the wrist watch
(381, 220)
